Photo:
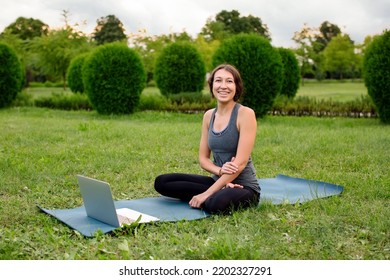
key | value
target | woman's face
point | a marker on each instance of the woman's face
(224, 87)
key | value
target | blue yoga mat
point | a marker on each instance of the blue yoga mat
(279, 190)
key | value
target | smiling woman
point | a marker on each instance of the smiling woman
(228, 133)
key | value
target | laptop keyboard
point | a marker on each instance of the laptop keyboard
(124, 220)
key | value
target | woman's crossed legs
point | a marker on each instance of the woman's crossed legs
(185, 186)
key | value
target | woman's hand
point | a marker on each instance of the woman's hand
(229, 167)
(198, 200)
(232, 185)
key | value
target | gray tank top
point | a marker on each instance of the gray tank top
(223, 145)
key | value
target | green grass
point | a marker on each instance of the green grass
(37, 92)
(42, 150)
(335, 90)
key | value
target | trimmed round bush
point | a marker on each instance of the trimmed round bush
(260, 66)
(11, 75)
(114, 77)
(180, 68)
(376, 71)
(74, 73)
(291, 73)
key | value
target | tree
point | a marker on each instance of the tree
(260, 66)
(311, 44)
(150, 47)
(57, 49)
(327, 32)
(27, 28)
(75, 73)
(114, 77)
(180, 68)
(376, 67)
(361, 48)
(305, 51)
(340, 57)
(206, 49)
(18, 35)
(109, 29)
(10, 75)
(214, 30)
(18, 45)
(291, 73)
(230, 23)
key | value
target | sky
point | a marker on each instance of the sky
(357, 18)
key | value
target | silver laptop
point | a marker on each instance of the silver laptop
(99, 204)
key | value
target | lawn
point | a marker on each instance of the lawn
(37, 92)
(335, 90)
(42, 150)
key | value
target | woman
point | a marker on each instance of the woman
(228, 133)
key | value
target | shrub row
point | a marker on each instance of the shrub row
(113, 77)
(64, 102)
(193, 103)
(306, 106)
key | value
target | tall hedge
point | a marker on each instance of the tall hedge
(114, 77)
(74, 73)
(11, 75)
(291, 73)
(376, 70)
(179, 68)
(260, 66)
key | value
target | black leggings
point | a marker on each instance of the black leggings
(185, 186)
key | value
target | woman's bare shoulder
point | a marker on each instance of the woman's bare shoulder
(246, 112)
(207, 115)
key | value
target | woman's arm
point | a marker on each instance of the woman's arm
(247, 126)
(205, 161)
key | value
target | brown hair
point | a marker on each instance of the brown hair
(236, 76)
